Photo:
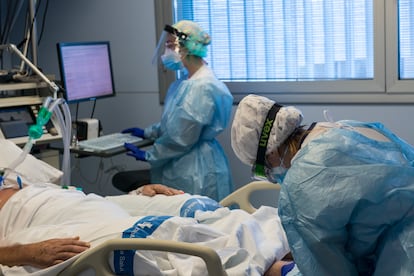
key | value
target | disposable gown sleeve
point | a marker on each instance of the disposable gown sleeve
(184, 124)
(152, 131)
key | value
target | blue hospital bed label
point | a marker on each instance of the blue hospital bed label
(124, 259)
(198, 203)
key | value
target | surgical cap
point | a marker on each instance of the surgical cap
(197, 40)
(248, 122)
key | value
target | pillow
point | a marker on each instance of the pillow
(31, 169)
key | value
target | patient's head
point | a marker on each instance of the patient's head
(260, 129)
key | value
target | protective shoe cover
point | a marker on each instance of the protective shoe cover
(186, 154)
(347, 204)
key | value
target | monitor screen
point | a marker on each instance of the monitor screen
(85, 70)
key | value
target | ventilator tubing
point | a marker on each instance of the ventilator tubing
(36, 131)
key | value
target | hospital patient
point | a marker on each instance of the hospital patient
(248, 244)
(53, 251)
(40, 214)
(347, 197)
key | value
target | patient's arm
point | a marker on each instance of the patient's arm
(42, 254)
(153, 189)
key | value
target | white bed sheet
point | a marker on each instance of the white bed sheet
(31, 169)
(247, 244)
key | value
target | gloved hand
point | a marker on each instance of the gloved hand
(136, 131)
(134, 151)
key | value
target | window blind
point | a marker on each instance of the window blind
(406, 39)
(295, 40)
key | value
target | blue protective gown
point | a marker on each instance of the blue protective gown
(186, 154)
(347, 204)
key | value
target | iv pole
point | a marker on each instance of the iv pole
(33, 34)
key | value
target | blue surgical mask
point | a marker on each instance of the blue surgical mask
(172, 60)
(277, 174)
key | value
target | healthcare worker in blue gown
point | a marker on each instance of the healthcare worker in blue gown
(186, 154)
(347, 197)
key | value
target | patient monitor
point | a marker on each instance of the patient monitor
(17, 114)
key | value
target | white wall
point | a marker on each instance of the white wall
(129, 25)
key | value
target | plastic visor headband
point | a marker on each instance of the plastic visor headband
(259, 167)
(168, 29)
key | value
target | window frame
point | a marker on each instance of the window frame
(394, 84)
(384, 88)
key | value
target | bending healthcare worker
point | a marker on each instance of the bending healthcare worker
(347, 197)
(186, 154)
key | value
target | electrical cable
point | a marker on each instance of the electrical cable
(43, 22)
(76, 112)
(93, 108)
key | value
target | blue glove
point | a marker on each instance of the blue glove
(136, 131)
(134, 151)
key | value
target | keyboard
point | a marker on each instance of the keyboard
(108, 141)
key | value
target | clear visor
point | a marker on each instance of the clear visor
(262, 173)
(257, 175)
(169, 38)
(266, 172)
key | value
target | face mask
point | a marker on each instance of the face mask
(277, 174)
(171, 60)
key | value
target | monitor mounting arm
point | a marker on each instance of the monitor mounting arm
(12, 48)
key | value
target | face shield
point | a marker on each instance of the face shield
(170, 38)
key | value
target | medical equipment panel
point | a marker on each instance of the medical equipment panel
(17, 115)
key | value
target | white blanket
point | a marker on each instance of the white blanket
(247, 244)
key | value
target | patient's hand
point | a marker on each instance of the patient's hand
(153, 189)
(50, 252)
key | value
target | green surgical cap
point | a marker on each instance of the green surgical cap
(197, 40)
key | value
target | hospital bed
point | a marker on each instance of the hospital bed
(96, 259)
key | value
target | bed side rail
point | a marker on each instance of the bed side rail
(241, 196)
(97, 258)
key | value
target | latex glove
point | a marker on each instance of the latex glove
(136, 131)
(134, 151)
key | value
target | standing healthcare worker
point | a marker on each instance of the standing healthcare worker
(347, 197)
(186, 154)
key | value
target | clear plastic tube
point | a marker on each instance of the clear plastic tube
(27, 148)
(65, 126)
(327, 115)
(67, 138)
(65, 123)
(54, 104)
(46, 102)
